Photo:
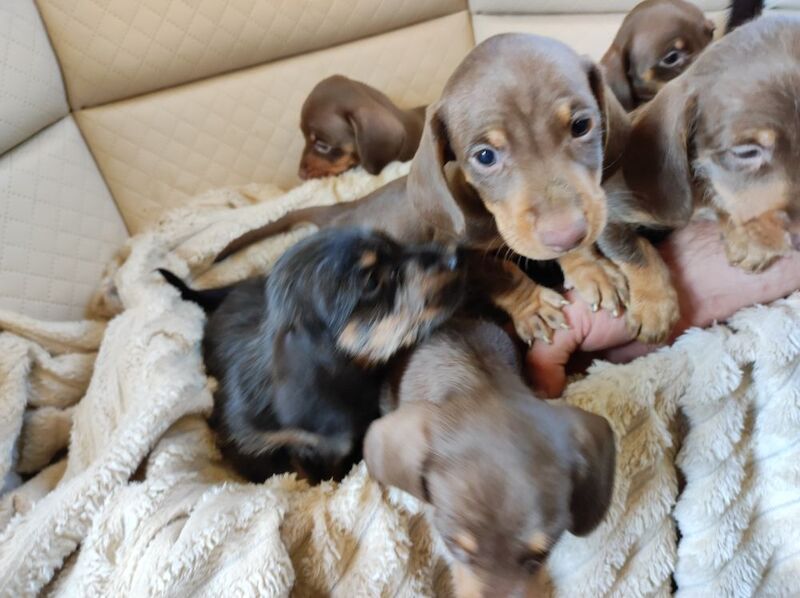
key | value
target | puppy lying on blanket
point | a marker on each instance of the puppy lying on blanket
(726, 135)
(656, 42)
(346, 123)
(505, 472)
(507, 162)
(299, 355)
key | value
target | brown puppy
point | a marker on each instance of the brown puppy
(346, 123)
(725, 134)
(505, 473)
(656, 42)
(507, 162)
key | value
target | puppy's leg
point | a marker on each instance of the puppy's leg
(756, 244)
(596, 279)
(534, 309)
(653, 302)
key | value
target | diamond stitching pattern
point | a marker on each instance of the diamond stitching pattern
(156, 151)
(31, 92)
(58, 224)
(112, 49)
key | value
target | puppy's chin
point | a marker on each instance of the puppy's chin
(469, 584)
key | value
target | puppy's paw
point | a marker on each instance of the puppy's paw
(597, 280)
(653, 308)
(539, 315)
(755, 245)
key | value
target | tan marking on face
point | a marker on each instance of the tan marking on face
(497, 138)
(466, 541)
(317, 166)
(766, 137)
(350, 336)
(539, 542)
(368, 259)
(647, 76)
(752, 201)
(680, 44)
(465, 583)
(564, 113)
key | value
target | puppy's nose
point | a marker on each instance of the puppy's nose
(564, 237)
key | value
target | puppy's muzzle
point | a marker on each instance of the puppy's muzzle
(562, 232)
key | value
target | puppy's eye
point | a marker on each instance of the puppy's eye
(531, 564)
(372, 283)
(581, 125)
(672, 59)
(749, 155)
(321, 147)
(485, 157)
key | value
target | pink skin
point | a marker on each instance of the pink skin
(709, 290)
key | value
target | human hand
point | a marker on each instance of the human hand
(709, 289)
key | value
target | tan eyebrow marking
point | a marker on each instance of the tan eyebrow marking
(368, 259)
(539, 542)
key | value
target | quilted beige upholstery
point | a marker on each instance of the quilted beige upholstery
(58, 224)
(113, 49)
(522, 7)
(31, 91)
(589, 34)
(157, 150)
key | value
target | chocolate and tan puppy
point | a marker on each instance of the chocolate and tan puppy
(724, 135)
(346, 123)
(506, 474)
(507, 163)
(657, 41)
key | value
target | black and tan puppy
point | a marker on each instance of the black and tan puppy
(506, 473)
(657, 41)
(724, 135)
(346, 123)
(299, 355)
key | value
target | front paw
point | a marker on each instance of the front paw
(598, 282)
(755, 245)
(653, 309)
(539, 315)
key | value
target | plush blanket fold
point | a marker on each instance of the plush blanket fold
(112, 485)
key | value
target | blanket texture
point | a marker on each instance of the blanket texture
(112, 485)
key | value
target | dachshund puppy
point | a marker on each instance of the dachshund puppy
(507, 163)
(504, 472)
(726, 135)
(656, 42)
(346, 123)
(299, 356)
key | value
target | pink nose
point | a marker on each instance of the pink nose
(564, 237)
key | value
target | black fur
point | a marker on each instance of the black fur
(291, 396)
(742, 11)
(209, 299)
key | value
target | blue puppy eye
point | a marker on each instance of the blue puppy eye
(486, 157)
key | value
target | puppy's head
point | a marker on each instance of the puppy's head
(528, 122)
(363, 292)
(727, 131)
(505, 477)
(656, 42)
(346, 123)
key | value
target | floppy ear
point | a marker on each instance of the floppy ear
(593, 470)
(396, 446)
(615, 69)
(616, 123)
(379, 136)
(427, 185)
(656, 163)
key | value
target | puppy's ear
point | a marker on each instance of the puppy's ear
(615, 69)
(379, 136)
(593, 470)
(656, 163)
(427, 185)
(396, 446)
(616, 123)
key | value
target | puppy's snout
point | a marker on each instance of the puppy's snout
(563, 233)
(302, 172)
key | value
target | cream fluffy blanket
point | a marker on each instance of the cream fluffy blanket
(126, 495)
